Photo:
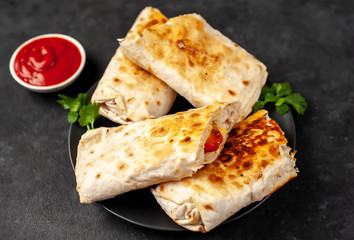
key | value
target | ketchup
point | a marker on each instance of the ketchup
(214, 140)
(47, 61)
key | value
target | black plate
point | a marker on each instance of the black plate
(140, 207)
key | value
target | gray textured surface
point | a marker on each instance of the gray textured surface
(308, 43)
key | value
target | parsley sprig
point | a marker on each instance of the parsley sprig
(281, 95)
(80, 109)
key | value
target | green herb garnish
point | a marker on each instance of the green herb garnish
(281, 95)
(88, 115)
(80, 109)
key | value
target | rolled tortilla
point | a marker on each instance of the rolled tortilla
(112, 161)
(198, 62)
(254, 163)
(126, 92)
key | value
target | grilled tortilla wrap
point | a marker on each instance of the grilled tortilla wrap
(254, 163)
(112, 161)
(126, 92)
(198, 62)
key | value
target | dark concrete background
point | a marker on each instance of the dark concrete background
(308, 43)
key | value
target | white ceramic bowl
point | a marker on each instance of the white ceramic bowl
(51, 88)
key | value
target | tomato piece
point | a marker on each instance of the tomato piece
(214, 140)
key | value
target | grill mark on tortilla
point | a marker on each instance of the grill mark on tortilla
(129, 151)
(247, 165)
(160, 53)
(151, 23)
(98, 175)
(246, 181)
(118, 130)
(186, 140)
(237, 184)
(216, 163)
(260, 140)
(122, 166)
(273, 150)
(184, 150)
(197, 125)
(233, 132)
(264, 163)
(232, 93)
(140, 168)
(130, 85)
(228, 145)
(190, 62)
(130, 99)
(160, 132)
(246, 82)
(208, 207)
(215, 179)
(122, 69)
(197, 188)
(162, 153)
(225, 158)
(186, 183)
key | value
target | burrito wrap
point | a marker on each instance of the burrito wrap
(254, 163)
(198, 62)
(126, 92)
(112, 161)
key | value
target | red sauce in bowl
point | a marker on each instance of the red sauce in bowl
(47, 61)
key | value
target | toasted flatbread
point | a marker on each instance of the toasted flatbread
(126, 92)
(198, 62)
(254, 163)
(112, 161)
